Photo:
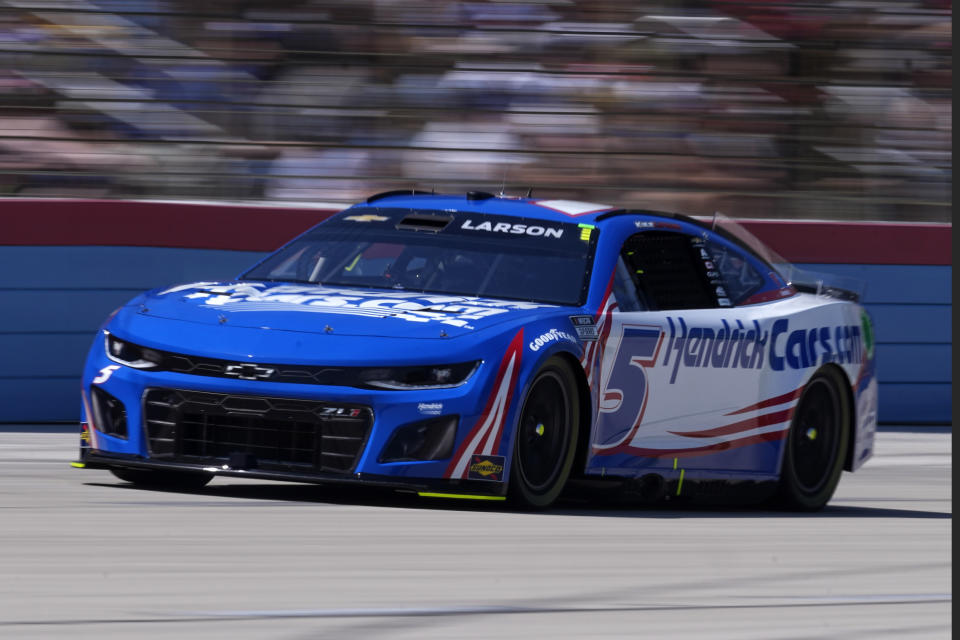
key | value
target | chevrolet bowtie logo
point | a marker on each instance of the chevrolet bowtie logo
(369, 217)
(248, 371)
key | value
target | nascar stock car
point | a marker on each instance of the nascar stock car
(492, 347)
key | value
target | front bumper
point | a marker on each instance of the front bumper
(138, 447)
(94, 459)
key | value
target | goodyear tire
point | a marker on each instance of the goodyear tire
(546, 437)
(816, 444)
(159, 479)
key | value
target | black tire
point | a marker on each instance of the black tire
(816, 444)
(546, 437)
(161, 479)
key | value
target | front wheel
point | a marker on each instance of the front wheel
(816, 444)
(546, 438)
(161, 479)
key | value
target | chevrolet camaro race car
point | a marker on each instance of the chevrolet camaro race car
(492, 347)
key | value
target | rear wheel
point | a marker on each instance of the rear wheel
(161, 479)
(546, 437)
(816, 444)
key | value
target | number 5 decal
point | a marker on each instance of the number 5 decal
(624, 389)
(105, 373)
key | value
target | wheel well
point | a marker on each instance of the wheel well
(847, 391)
(586, 412)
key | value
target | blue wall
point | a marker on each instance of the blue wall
(52, 299)
(911, 310)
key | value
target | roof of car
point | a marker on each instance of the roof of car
(553, 209)
(548, 209)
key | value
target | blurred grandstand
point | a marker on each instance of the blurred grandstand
(757, 108)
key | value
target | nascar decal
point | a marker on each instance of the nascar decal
(456, 311)
(484, 438)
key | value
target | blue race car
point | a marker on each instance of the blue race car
(492, 347)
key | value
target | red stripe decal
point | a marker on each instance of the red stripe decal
(769, 402)
(470, 444)
(737, 427)
(700, 451)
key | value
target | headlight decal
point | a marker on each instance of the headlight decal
(129, 354)
(445, 376)
(484, 438)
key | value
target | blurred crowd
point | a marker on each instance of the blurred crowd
(756, 108)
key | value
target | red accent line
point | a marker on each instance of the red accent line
(736, 427)
(517, 339)
(701, 451)
(515, 350)
(767, 296)
(598, 344)
(769, 402)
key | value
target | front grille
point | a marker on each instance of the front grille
(254, 431)
(297, 374)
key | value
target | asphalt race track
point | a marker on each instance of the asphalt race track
(84, 555)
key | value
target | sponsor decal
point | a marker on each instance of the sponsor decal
(456, 311)
(867, 328)
(486, 468)
(736, 345)
(430, 408)
(84, 436)
(733, 345)
(585, 326)
(368, 217)
(553, 335)
(105, 373)
(803, 348)
(514, 228)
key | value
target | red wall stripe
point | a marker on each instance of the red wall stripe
(152, 224)
(39, 222)
(856, 242)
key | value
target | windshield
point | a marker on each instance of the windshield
(449, 252)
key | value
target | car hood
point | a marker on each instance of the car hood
(332, 310)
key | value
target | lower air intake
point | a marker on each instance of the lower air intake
(266, 433)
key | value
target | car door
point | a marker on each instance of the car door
(681, 357)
